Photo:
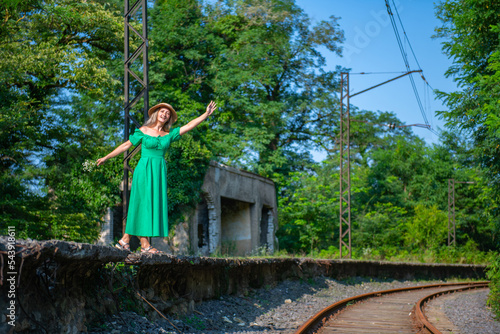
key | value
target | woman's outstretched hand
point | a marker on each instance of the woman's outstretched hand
(101, 161)
(211, 108)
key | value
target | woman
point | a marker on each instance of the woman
(147, 212)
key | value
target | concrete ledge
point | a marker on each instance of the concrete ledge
(204, 278)
(65, 251)
(60, 286)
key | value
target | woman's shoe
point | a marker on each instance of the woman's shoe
(150, 250)
(123, 245)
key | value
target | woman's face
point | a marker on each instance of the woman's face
(163, 115)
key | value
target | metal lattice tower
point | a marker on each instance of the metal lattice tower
(135, 87)
(345, 167)
(451, 213)
(345, 157)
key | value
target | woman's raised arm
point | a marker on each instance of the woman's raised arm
(195, 122)
(120, 149)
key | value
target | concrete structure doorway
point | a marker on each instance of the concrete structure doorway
(236, 231)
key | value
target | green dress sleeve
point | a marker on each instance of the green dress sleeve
(136, 137)
(175, 134)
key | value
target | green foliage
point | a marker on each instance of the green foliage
(398, 204)
(196, 322)
(269, 74)
(468, 253)
(61, 101)
(49, 51)
(470, 34)
(306, 205)
(382, 227)
(428, 229)
(187, 163)
(494, 277)
(331, 253)
(395, 169)
(122, 281)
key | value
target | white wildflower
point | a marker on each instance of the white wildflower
(89, 165)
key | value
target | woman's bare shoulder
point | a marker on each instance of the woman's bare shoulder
(144, 129)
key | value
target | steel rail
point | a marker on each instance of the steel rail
(419, 308)
(318, 320)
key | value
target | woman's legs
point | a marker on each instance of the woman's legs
(126, 238)
(123, 243)
(144, 242)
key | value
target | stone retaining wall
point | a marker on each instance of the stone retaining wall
(64, 285)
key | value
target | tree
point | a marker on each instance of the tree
(395, 166)
(427, 229)
(269, 74)
(49, 50)
(382, 228)
(308, 208)
(471, 38)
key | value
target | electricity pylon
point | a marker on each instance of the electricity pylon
(345, 159)
(137, 89)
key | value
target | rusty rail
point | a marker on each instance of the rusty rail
(318, 320)
(419, 308)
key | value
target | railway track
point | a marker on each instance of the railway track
(389, 311)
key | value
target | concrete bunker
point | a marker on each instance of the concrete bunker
(237, 215)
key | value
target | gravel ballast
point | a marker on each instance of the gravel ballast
(469, 313)
(279, 309)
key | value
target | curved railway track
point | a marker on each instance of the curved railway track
(388, 311)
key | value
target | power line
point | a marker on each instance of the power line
(409, 44)
(378, 72)
(406, 36)
(392, 126)
(405, 56)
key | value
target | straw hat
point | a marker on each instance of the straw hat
(173, 114)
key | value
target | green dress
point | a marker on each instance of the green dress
(148, 209)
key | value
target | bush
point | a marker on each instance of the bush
(493, 275)
(427, 229)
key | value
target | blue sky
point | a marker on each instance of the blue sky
(371, 46)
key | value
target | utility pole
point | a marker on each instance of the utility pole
(345, 166)
(451, 211)
(143, 83)
(345, 159)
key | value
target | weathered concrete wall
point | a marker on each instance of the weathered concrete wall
(106, 236)
(64, 285)
(54, 285)
(236, 198)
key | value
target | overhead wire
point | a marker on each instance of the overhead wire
(397, 72)
(391, 125)
(406, 36)
(409, 44)
(405, 57)
(427, 99)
